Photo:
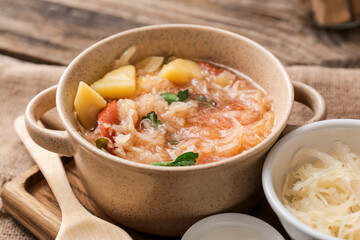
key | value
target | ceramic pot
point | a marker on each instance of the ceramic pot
(163, 200)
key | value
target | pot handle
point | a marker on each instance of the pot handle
(311, 98)
(52, 140)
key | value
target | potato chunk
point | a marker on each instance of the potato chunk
(224, 78)
(119, 83)
(88, 104)
(150, 64)
(180, 71)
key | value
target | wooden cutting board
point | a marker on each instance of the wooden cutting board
(30, 201)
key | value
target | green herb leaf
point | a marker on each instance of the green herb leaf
(170, 97)
(185, 159)
(102, 143)
(183, 95)
(212, 103)
(172, 142)
(152, 117)
(203, 100)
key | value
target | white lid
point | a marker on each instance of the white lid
(229, 226)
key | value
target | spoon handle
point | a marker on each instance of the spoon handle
(51, 167)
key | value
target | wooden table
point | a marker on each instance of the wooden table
(54, 31)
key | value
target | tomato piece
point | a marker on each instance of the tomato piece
(111, 150)
(109, 115)
(210, 68)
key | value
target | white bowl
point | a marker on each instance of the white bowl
(320, 136)
(228, 226)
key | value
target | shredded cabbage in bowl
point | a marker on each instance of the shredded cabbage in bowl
(325, 193)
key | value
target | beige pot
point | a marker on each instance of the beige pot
(168, 200)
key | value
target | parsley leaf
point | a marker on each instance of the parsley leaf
(182, 96)
(212, 103)
(170, 97)
(185, 159)
(172, 142)
(102, 143)
(152, 117)
(203, 100)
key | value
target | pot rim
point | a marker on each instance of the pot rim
(262, 146)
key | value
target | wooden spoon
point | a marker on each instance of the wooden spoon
(77, 223)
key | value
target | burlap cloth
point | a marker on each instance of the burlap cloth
(20, 81)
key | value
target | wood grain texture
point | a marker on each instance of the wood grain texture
(15, 198)
(30, 201)
(54, 31)
(77, 222)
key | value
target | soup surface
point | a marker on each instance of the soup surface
(175, 106)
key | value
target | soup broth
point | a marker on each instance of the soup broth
(183, 106)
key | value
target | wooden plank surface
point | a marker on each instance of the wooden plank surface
(55, 31)
(30, 201)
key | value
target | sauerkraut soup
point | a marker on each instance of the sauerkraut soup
(170, 111)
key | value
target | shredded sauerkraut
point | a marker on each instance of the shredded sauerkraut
(224, 114)
(325, 194)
